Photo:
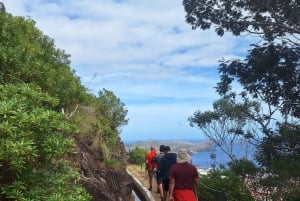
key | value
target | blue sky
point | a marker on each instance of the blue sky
(144, 52)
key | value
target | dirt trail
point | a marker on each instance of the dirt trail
(142, 176)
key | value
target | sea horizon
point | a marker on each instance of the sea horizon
(191, 140)
(202, 159)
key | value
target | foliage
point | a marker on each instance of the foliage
(265, 18)
(215, 185)
(294, 194)
(269, 74)
(281, 165)
(271, 69)
(243, 168)
(28, 56)
(101, 123)
(137, 156)
(34, 141)
(85, 116)
(2, 8)
(111, 107)
(271, 155)
(109, 162)
(225, 124)
(34, 137)
(111, 116)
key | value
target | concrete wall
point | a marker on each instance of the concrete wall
(143, 193)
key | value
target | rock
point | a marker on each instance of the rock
(102, 183)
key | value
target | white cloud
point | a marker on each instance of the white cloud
(142, 50)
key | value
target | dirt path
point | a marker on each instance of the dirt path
(142, 176)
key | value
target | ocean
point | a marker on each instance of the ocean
(202, 159)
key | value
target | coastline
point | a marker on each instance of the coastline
(200, 150)
(191, 147)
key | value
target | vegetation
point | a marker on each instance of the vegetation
(269, 75)
(137, 156)
(222, 185)
(42, 106)
(34, 141)
(111, 113)
(225, 125)
(28, 56)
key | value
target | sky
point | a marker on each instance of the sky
(144, 52)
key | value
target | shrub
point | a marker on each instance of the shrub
(137, 156)
(34, 141)
(218, 184)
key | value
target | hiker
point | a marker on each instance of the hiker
(150, 166)
(165, 164)
(183, 178)
(156, 160)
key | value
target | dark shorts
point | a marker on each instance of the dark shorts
(150, 172)
(165, 183)
(158, 179)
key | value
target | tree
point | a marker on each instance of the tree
(111, 107)
(110, 114)
(137, 156)
(35, 138)
(267, 19)
(271, 69)
(226, 124)
(281, 164)
(2, 7)
(222, 185)
(29, 56)
(269, 74)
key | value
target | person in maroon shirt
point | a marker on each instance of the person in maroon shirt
(183, 178)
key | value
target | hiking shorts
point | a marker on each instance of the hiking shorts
(165, 183)
(158, 179)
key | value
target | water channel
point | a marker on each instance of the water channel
(136, 198)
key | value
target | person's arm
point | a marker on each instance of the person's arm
(146, 162)
(171, 188)
(196, 176)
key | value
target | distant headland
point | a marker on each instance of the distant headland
(191, 147)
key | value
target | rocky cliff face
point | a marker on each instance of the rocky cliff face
(102, 183)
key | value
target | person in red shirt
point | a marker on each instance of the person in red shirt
(183, 178)
(150, 165)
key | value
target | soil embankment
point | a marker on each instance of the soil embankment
(101, 182)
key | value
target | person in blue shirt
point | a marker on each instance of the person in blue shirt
(165, 164)
(156, 160)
